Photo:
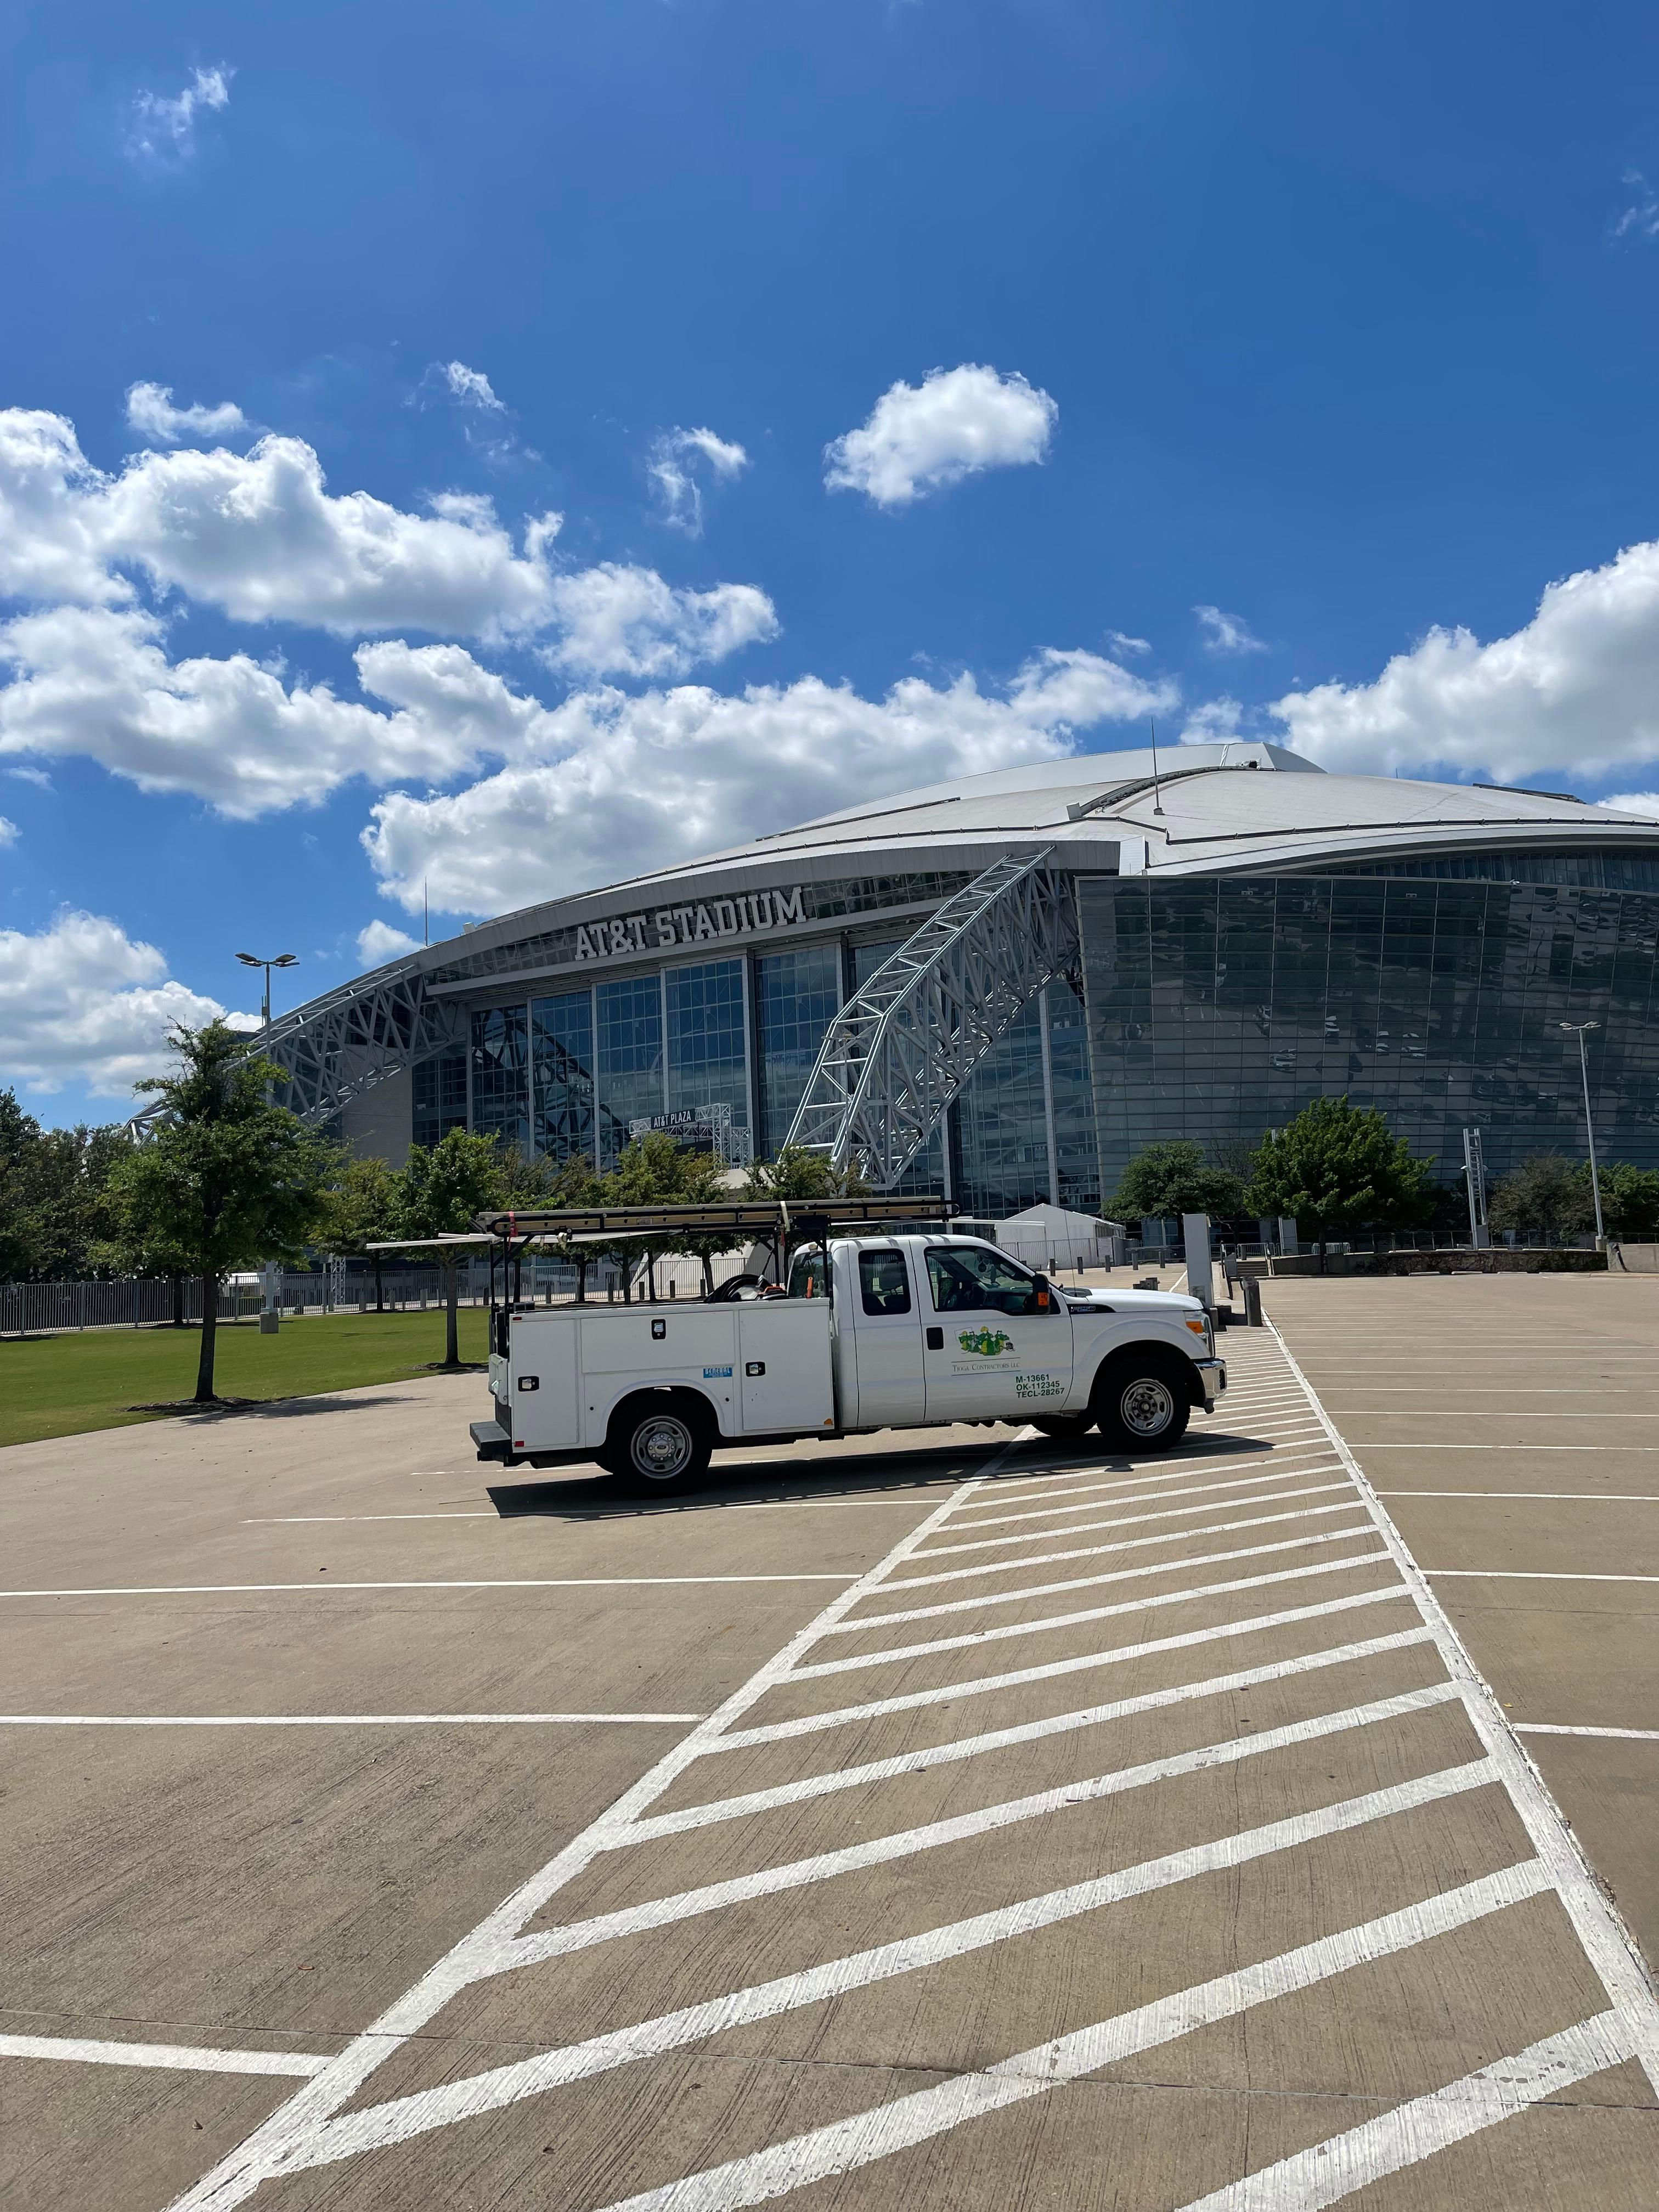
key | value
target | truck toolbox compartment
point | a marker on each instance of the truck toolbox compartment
(692, 1338)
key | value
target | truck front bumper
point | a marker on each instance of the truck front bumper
(1212, 1376)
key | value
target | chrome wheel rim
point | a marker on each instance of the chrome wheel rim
(662, 1446)
(1147, 1406)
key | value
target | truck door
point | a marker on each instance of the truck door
(995, 1345)
(886, 1343)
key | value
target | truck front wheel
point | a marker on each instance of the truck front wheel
(658, 1443)
(1141, 1402)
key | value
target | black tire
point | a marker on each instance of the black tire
(1142, 1401)
(1064, 1428)
(659, 1442)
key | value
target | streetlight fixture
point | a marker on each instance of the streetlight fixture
(1577, 1029)
(282, 960)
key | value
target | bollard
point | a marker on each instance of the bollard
(1252, 1302)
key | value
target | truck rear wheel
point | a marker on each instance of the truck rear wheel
(1142, 1403)
(657, 1443)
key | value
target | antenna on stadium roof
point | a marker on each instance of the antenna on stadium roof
(1157, 797)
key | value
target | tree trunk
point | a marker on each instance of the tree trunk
(581, 1282)
(1322, 1256)
(177, 1302)
(205, 1391)
(380, 1287)
(451, 1334)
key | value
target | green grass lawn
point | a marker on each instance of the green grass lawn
(56, 1386)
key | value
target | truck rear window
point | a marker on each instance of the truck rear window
(806, 1275)
(883, 1282)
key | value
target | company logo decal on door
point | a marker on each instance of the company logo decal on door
(988, 1343)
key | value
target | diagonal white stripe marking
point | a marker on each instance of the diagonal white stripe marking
(1549, 1727)
(179, 2056)
(1170, 1466)
(968, 1823)
(974, 1637)
(846, 2145)
(1123, 1574)
(1263, 1467)
(1136, 1497)
(1414, 2132)
(986, 1685)
(1122, 1521)
(403, 2117)
(286, 2133)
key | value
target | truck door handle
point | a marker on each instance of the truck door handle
(754, 1367)
(936, 1339)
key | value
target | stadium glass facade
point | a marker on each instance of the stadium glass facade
(1219, 1006)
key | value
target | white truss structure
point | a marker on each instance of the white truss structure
(906, 1042)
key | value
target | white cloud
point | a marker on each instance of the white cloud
(1122, 644)
(259, 536)
(8, 832)
(1633, 802)
(151, 412)
(96, 682)
(470, 386)
(1225, 633)
(605, 786)
(1211, 721)
(379, 942)
(921, 437)
(37, 776)
(166, 126)
(1576, 690)
(674, 460)
(1641, 218)
(83, 1002)
(629, 622)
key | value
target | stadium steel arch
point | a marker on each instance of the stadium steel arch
(906, 1042)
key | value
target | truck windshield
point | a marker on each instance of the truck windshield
(966, 1278)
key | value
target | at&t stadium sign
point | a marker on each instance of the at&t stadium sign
(666, 927)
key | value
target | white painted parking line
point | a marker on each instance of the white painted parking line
(1559, 1728)
(1411, 2132)
(1260, 1470)
(1517, 1575)
(569, 1581)
(181, 2057)
(1135, 1497)
(1551, 1497)
(339, 1720)
(399, 2119)
(1603, 1450)
(846, 2145)
(1122, 1520)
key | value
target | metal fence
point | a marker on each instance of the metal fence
(49, 1309)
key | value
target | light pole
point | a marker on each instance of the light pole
(1577, 1029)
(282, 960)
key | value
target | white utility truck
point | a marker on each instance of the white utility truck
(872, 1328)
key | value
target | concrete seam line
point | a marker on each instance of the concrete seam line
(281, 2138)
(589, 1582)
(1607, 1941)
(971, 1638)
(844, 2146)
(1414, 2132)
(179, 2056)
(968, 1824)
(401, 2119)
(1115, 1655)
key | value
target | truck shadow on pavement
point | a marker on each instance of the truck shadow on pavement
(587, 1494)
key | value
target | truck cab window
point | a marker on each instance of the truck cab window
(806, 1275)
(965, 1279)
(883, 1282)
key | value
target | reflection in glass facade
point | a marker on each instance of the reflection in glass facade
(562, 1068)
(500, 1075)
(1590, 871)
(1002, 1134)
(1218, 1007)
(707, 1038)
(628, 1057)
(797, 996)
(1075, 1156)
(439, 1088)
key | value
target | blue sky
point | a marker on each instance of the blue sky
(1341, 327)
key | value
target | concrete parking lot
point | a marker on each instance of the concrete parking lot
(973, 1823)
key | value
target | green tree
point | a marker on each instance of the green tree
(1173, 1177)
(1630, 1200)
(56, 1219)
(1338, 1169)
(653, 1171)
(362, 1207)
(798, 1174)
(1544, 1200)
(444, 1188)
(575, 1183)
(224, 1180)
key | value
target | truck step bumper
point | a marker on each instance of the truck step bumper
(492, 1440)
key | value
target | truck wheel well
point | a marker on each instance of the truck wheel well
(691, 1405)
(1163, 1360)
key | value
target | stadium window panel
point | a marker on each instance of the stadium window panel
(440, 1099)
(628, 1058)
(707, 1038)
(500, 1074)
(797, 996)
(561, 1072)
